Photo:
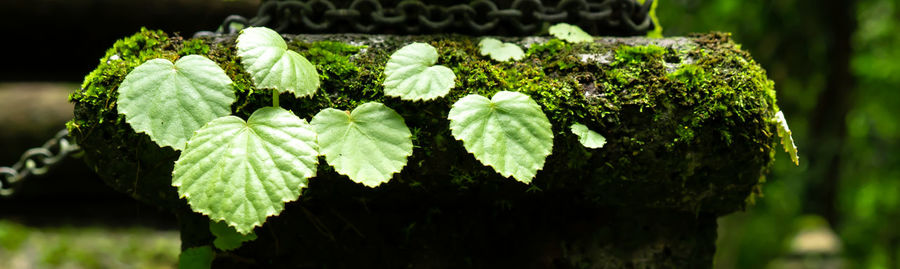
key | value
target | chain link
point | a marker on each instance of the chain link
(36, 161)
(514, 17)
(614, 17)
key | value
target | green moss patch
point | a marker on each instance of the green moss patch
(687, 127)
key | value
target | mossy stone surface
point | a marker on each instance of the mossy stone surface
(687, 122)
(687, 119)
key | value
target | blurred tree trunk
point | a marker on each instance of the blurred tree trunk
(828, 128)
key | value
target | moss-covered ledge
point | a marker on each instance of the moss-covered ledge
(687, 121)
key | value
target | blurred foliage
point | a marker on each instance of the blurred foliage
(788, 38)
(86, 247)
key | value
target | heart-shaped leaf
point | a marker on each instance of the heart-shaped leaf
(243, 172)
(500, 51)
(509, 132)
(587, 137)
(411, 74)
(227, 238)
(171, 101)
(368, 145)
(787, 141)
(271, 65)
(570, 33)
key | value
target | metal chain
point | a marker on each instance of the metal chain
(36, 161)
(517, 17)
(616, 17)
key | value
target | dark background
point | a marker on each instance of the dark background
(50, 45)
(836, 67)
(69, 217)
(61, 40)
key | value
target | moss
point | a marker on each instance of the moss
(691, 75)
(551, 47)
(332, 60)
(688, 134)
(635, 55)
(96, 119)
(556, 54)
(667, 130)
(194, 46)
(120, 59)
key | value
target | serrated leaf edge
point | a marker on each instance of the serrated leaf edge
(431, 64)
(540, 164)
(393, 171)
(294, 57)
(255, 224)
(129, 114)
(589, 131)
(785, 135)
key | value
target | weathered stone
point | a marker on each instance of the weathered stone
(687, 122)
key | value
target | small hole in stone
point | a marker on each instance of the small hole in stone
(672, 57)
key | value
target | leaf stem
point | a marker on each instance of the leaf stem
(274, 98)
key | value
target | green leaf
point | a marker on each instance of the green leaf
(500, 51)
(196, 258)
(570, 33)
(368, 145)
(784, 132)
(411, 74)
(171, 101)
(588, 138)
(509, 132)
(271, 65)
(243, 172)
(227, 238)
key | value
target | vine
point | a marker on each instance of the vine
(241, 172)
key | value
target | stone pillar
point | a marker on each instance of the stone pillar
(689, 138)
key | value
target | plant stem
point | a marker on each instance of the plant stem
(274, 98)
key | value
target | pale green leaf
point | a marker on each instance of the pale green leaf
(171, 101)
(227, 238)
(784, 132)
(368, 145)
(570, 33)
(196, 258)
(410, 74)
(265, 55)
(509, 132)
(243, 172)
(587, 137)
(500, 51)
